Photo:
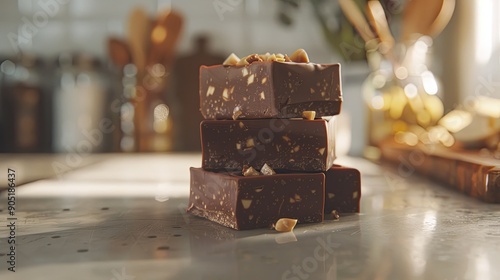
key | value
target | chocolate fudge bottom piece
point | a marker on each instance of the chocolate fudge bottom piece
(342, 189)
(287, 144)
(270, 90)
(250, 202)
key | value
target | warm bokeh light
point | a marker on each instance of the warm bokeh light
(456, 120)
(159, 34)
(429, 82)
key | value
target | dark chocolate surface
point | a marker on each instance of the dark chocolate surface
(270, 90)
(251, 202)
(288, 144)
(342, 189)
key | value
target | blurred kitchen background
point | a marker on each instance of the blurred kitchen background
(121, 76)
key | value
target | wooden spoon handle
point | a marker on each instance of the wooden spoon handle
(357, 19)
(119, 52)
(137, 35)
(418, 16)
(164, 37)
(379, 22)
(442, 19)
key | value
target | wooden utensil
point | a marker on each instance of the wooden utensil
(157, 37)
(469, 172)
(418, 16)
(377, 18)
(138, 30)
(164, 37)
(442, 19)
(354, 15)
(119, 52)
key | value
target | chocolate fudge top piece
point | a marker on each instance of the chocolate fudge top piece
(284, 144)
(269, 89)
(239, 202)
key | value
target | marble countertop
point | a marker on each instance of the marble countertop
(123, 217)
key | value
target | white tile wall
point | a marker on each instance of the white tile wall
(6, 29)
(83, 25)
(248, 26)
(98, 9)
(53, 8)
(226, 35)
(9, 11)
(205, 9)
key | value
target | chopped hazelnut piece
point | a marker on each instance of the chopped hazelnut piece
(250, 79)
(280, 57)
(265, 56)
(309, 115)
(232, 60)
(354, 195)
(285, 224)
(246, 203)
(335, 215)
(236, 112)
(253, 58)
(271, 57)
(250, 142)
(267, 170)
(210, 90)
(249, 171)
(225, 94)
(300, 55)
(242, 62)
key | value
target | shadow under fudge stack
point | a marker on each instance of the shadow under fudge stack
(268, 143)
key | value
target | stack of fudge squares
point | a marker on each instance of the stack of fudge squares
(268, 143)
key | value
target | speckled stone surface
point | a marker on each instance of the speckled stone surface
(124, 218)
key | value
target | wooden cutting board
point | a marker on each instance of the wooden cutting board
(469, 172)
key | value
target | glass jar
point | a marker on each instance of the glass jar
(80, 123)
(401, 95)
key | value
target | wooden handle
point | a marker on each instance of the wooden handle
(354, 15)
(376, 14)
(138, 30)
(442, 19)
